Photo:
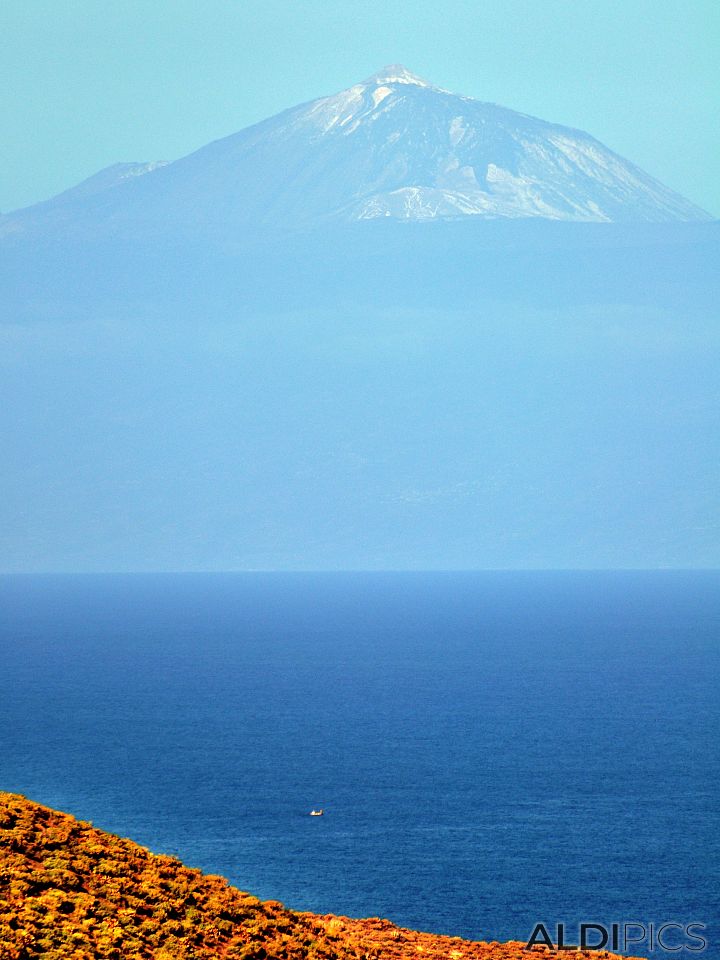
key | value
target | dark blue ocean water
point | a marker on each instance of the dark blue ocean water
(492, 749)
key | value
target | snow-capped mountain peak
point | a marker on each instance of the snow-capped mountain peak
(391, 146)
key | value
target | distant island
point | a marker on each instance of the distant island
(392, 146)
(393, 328)
(69, 890)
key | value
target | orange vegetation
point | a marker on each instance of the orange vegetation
(71, 892)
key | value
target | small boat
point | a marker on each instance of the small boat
(317, 813)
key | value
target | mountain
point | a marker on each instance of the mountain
(393, 146)
(229, 362)
(68, 889)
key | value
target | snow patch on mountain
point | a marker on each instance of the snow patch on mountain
(379, 94)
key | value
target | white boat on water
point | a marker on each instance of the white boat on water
(317, 813)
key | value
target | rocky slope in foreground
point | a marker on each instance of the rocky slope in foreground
(70, 892)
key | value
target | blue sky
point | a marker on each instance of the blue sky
(88, 82)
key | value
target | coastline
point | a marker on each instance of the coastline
(68, 889)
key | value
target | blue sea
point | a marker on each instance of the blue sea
(491, 750)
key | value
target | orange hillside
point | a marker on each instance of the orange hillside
(71, 892)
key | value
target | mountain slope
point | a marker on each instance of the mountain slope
(68, 890)
(392, 146)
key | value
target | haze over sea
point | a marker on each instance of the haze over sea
(491, 749)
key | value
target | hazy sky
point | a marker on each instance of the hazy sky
(87, 83)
